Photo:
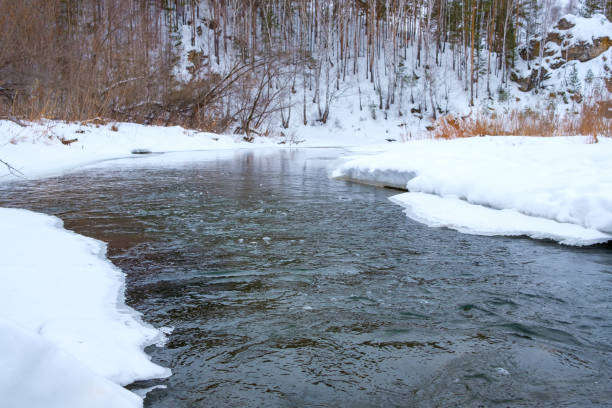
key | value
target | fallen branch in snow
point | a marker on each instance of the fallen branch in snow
(11, 169)
(67, 142)
(96, 120)
(14, 120)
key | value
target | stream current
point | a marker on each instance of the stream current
(287, 288)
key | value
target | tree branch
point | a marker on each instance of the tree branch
(12, 170)
(14, 120)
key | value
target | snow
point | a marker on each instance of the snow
(586, 29)
(36, 150)
(561, 179)
(67, 300)
(467, 218)
(36, 373)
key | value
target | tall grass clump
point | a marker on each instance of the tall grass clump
(593, 120)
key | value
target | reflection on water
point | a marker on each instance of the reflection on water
(286, 288)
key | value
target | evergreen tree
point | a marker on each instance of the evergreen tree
(591, 7)
(573, 83)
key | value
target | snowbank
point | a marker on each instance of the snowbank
(37, 373)
(467, 218)
(68, 300)
(37, 150)
(561, 179)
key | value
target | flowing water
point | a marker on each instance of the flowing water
(287, 288)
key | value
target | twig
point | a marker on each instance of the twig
(119, 83)
(96, 119)
(14, 120)
(12, 170)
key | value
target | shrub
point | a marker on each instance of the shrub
(589, 122)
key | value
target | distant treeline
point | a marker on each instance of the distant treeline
(249, 60)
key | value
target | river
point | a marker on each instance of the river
(287, 288)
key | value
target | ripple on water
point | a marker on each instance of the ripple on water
(287, 288)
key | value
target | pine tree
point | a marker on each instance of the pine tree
(573, 83)
(591, 7)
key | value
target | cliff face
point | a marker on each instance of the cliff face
(573, 39)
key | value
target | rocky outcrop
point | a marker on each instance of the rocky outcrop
(570, 50)
(584, 51)
(528, 83)
(564, 24)
(566, 42)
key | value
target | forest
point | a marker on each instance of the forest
(238, 65)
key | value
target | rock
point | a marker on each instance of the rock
(584, 51)
(560, 47)
(554, 37)
(564, 24)
(557, 63)
(141, 151)
(531, 51)
(528, 83)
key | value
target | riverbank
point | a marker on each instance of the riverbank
(557, 188)
(49, 148)
(67, 336)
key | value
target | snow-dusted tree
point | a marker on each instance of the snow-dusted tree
(573, 82)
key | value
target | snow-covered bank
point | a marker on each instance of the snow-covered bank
(462, 216)
(561, 179)
(64, 320)
(37, 150)
(37, 373)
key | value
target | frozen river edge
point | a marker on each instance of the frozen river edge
(545, 188)
(67, 337)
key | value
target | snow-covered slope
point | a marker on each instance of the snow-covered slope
(562, 179)
(572, 63)
(62, 306)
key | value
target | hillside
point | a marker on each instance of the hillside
(260, 68)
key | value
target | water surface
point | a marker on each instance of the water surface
(287, 288)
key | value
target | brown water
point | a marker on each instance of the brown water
(287, 288)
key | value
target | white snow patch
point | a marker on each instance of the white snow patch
(502, 371)
(562, 179)
(36, 373)
(36, 151)
(144, 391)
(586, 29)
(59, 286)
(468, 218)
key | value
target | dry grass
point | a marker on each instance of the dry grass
(590, 122)
(76, 60)
(72, 60)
